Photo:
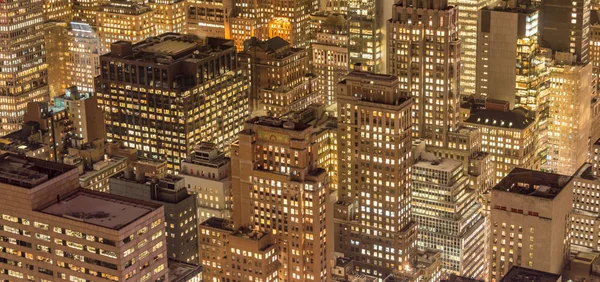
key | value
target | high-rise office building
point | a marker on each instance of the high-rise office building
(280, 80)
(565, 26)
(279, 189)
(166, 94)
(365, 33)
(124, 20)
(60, 232)
(84, 49)
(209, 18)
(594, 49)
(58, 10)
(569, 124)
(585, 216)
(373, 213)
(169, 16)
(23, 77)
(329, 52)
(85, 11)
(529, 222)
(56, 44)
(467, 33)
(179, 207)
(508, 37)
(207, 174)
(508, 136)
(448, 215)
(424, 52)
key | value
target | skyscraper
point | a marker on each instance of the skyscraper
(279, 189)
(565, 26)
(467, 33)
(23, 77)
(424, 52)
(529, 222)
(373, 213)
(569, 124)
(169, 15)
(365, 45)
(84, 51)
(448, 215)
(209, 18)
(330, 52)
(164, 95)
(124, 20)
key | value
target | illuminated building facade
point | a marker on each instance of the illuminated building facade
(209, 18)
(164, 95)
(585, 217)
(365, 45)
(509, 137)
(207, 174)
(56, 44)
(85, 11)
(529, 222)
(424, 52)
(279, 189)
(565, 27)
(594, 50)
(169, 16)
(83, 63)
(509, 36)
(124, 21)
(280, 78)
(330, 52)
(58, 10)
(569, 128)
(62, 232)
(467, 33)
(372, 218)
(24, 76)
(448, 215)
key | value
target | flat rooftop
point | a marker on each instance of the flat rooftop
(510, 119)
(455, 278)
(522, 274)
(447, 165)
(28, 172)
(533, 183)
(218, 223)
(278, 123)
(170, 47)
(181, 271)
(100, 209)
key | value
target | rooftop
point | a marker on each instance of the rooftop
(100, 209)
(447, 165)
(510, 119)
(533, 183)
(522, 274)
(28, 172)
(218, 223)
(182, 271)
(454, 278)
(279, 123)
(170, 47)
(585, 172)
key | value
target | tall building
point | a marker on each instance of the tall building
(85, 11)
(279, 189)
(61, 232)
(280, 80)
(467, 33)
(249, 19)
(84, 50)
(365, 33)
(180, 208)
(209, 18)
(508, 136)
(594, 49)
(508, 37)
(565, 26)
(529, 222)
(124, 20)
(585, 216)
(373, 213)
(58, 10)
(330, 52)
(56, 45)
(169, 16)
(569, 128)
(431, 78)
(448, 215)
(207, 173)
(183, 99)
(23, 77)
